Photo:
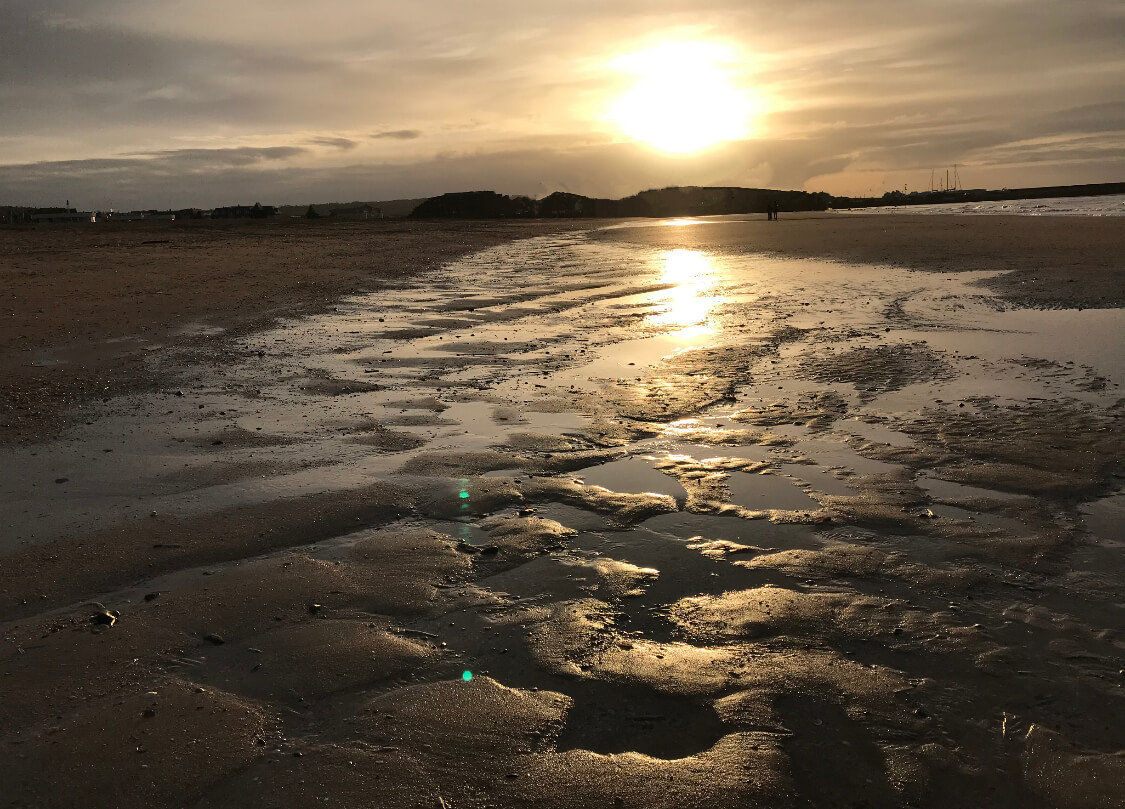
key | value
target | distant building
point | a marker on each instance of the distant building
(359, 213)
(144, 216)
(59, 215)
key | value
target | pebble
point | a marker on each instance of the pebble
(104, 617)
(215, 639)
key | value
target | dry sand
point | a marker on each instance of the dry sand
(918, 603)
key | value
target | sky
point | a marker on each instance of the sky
(176, 103)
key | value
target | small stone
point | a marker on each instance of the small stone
(61, 480)
(151, 596)
(316, 608)
(149, 712)
(490, 550)
(104, 617)
(215, 639)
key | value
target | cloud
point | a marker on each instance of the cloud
(851, 85)
(398, 134)
(220, 158)
(345, 144)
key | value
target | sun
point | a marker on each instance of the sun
(683, 98)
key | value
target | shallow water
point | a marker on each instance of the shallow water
(635, 475)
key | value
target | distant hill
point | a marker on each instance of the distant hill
(389, 207)
(675, 201)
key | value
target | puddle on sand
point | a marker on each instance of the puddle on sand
(632, 476)
(701, 452)
(768, 491)
(626, 359)
(948, 490)
(832, 454)
(757, 533)
(878, 433)
(820, 479)
(1042, 333)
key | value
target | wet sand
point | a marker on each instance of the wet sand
(708, 519)
(86, 305)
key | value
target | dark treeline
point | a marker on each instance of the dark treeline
(686, 201)
(702, 201)
(979, 195)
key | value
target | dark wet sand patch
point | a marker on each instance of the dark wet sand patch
(338, 387)
(879, 369)
(237, 438)
(383, 439)
(56, 573)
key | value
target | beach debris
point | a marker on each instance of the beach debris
(316, 609)
(103, 616)
(418, 633)
(152, 596)
(927, 514)
(215, 639)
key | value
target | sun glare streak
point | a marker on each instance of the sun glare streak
(686, 267)
(688, 304)
(684, 98)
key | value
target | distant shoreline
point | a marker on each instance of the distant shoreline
(654, 203)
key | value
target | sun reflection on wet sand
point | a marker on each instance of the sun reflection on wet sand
(687, 304)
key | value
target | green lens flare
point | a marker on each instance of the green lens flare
(464, 495)
(468, 675)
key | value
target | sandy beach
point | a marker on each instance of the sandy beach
(818, 512)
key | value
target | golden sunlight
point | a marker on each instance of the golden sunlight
(688, 304)
(683, 99)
